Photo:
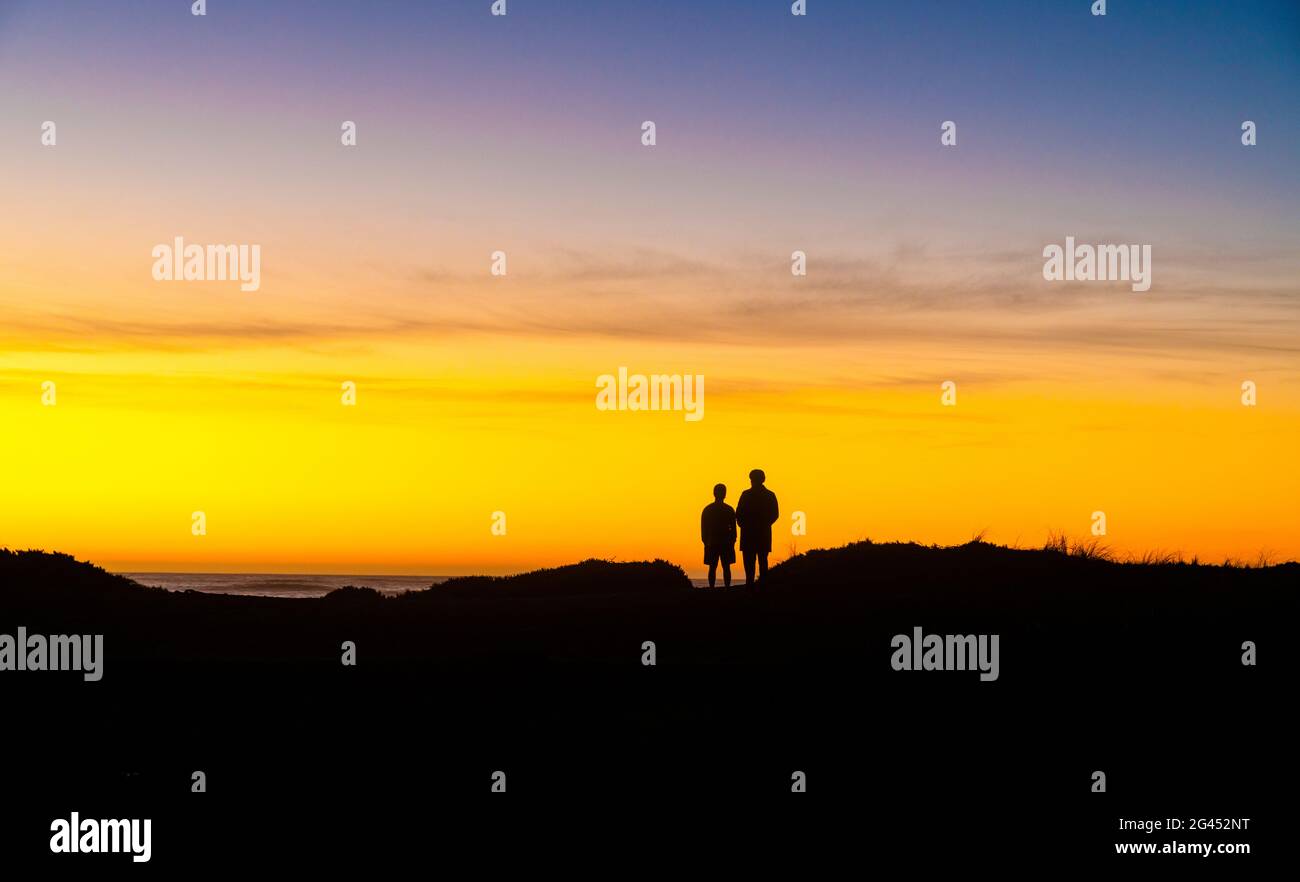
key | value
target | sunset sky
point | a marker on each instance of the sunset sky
(522, 134)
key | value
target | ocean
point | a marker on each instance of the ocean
(280, 584)
(294, 585)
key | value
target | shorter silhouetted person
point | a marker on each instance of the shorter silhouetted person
(718, 533)
(756, 512)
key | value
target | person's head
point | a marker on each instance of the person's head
(756, 477)
(719, 492)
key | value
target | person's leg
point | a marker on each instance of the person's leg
(713, 573)
(726, 575)
(747, 558)
(762, 564)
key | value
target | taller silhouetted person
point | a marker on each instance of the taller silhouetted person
(718, 532)
(756, 512)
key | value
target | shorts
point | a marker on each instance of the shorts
(712, 554)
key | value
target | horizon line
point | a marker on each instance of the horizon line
(1091, 549)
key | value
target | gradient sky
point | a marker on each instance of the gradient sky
(775, 133)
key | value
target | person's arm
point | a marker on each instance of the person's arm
(731, 527)
(704, 526)
(776, 511)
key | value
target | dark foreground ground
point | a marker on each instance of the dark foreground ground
(1128, 669)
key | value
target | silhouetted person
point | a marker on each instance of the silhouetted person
(756, 512)
(718, 533)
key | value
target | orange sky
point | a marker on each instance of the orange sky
(476, 394)
(452, 426)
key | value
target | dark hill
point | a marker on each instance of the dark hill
(45, 583)
(590, 577)
(818, 605)
(1133, 668)
(52, 574)
(1044, 584)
